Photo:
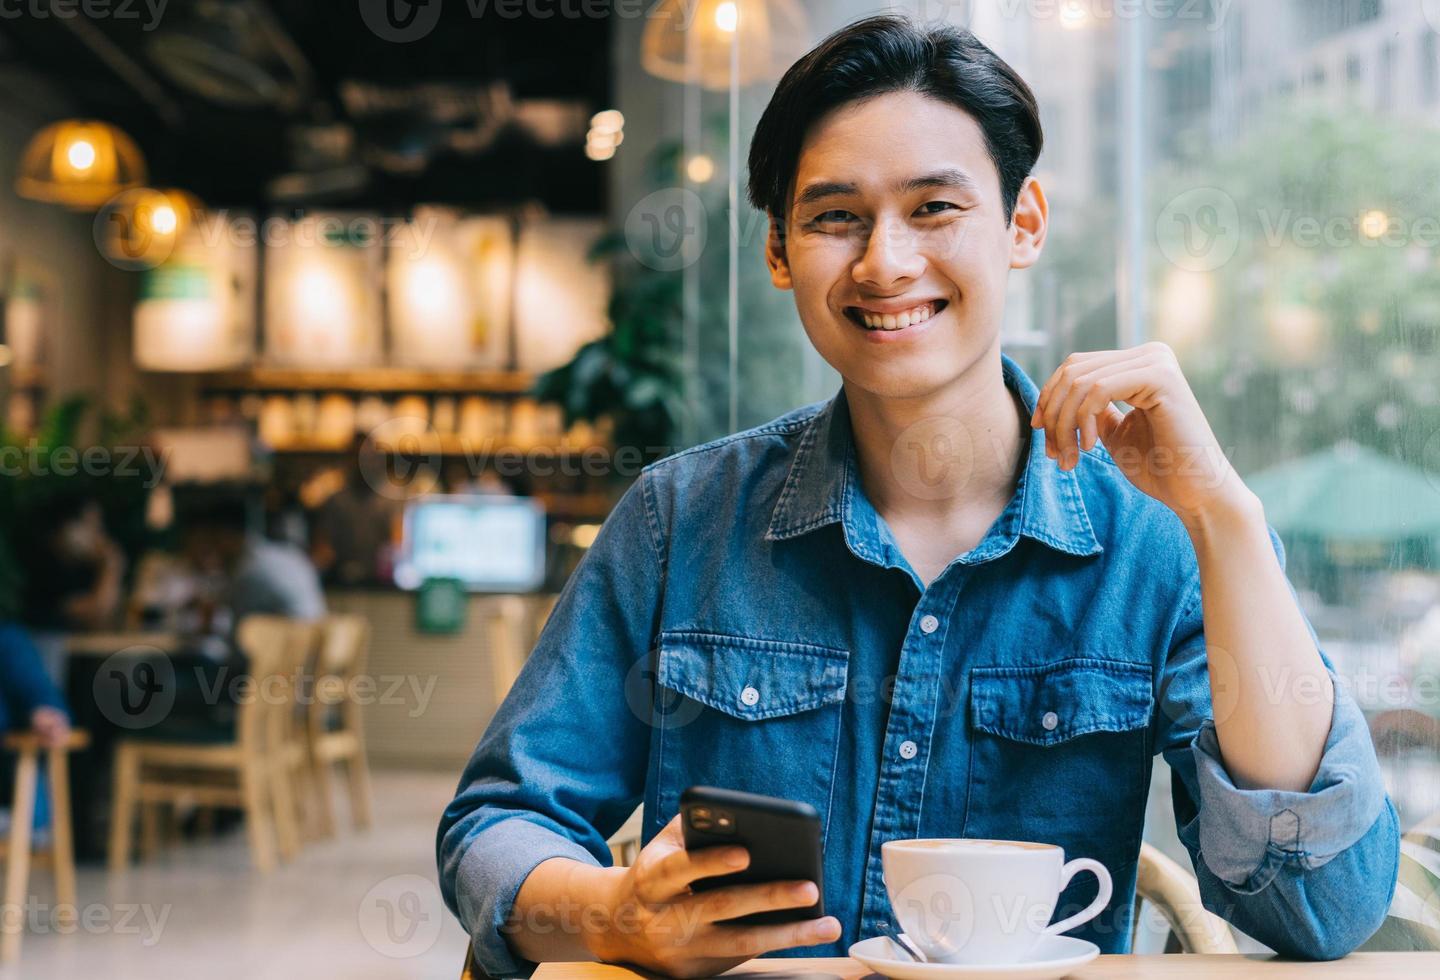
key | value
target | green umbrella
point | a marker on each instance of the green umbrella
(1351, 494)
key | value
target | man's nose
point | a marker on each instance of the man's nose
(892, 255)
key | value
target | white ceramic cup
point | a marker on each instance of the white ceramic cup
(982, 901)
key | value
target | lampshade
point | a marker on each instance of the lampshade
(79, 163)
(770, 34)
(140, 228)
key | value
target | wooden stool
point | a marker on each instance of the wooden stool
(61, 854)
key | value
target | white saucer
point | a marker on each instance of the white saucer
(1053, 956)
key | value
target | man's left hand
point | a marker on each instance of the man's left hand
(1163, 445)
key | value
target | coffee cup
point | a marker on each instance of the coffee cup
(982, 901)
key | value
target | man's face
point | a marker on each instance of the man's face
(897, 245)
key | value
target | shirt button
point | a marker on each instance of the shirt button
(1050, 720)
(908, 749)
(750, 696)
(929, 624)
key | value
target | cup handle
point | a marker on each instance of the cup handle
(1089, 912)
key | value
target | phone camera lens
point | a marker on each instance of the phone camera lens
(724, 822)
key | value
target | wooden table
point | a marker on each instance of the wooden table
(103, 644)
(1356, 966)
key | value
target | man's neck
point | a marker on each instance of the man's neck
(943, 456)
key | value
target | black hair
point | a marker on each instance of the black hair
(891, 53)
(219, 507)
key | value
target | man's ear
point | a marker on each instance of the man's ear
(1028, 225)
(775, 254)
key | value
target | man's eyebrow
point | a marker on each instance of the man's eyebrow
(946, 177)
(822, 189)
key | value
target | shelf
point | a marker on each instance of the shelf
(449, 446)
(587, 505)
(377, 380)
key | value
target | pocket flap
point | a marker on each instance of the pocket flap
(1055, 702)
(752, 679)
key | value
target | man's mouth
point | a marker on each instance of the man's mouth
(898, 320)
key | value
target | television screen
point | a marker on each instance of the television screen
(491, 543)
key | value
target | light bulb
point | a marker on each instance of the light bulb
(81, 154)
(727, 16)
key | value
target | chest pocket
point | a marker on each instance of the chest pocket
(1058, 747)
(761, 716)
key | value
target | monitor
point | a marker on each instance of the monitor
(490, 542)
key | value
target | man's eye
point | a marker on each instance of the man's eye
(833, 216)
(937, 207)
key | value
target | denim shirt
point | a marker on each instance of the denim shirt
(745, 619)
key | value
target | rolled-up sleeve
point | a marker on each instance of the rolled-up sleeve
(1309, 874)
(562, 764)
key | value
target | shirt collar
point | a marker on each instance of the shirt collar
(823, 487)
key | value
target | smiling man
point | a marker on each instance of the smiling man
(946, 603)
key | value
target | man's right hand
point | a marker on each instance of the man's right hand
(658, 923)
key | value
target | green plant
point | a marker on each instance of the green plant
(631, 375)
(33, 476)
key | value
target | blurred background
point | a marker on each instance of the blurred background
(331, 334)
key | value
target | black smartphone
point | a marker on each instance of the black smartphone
(782, 836)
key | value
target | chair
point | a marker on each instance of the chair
(60, 854)
(249, 768)
(334, 733)
(1174, 892)
(1412, 922)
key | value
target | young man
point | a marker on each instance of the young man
(934, 606)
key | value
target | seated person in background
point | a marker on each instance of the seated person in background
(254, 575)
(74, 569)
(241, 574)
(29, 699)
(354, 526)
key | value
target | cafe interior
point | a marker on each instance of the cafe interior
(332, 333)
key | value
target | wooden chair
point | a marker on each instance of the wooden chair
(248, 768)
(334, 732)
(60, 854)
(1176, 895)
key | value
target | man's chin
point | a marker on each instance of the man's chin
(926, 380)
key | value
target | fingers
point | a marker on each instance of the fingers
(752, 941)
(667, 871)
(1079, 394)
(1072, 367)
(1109, 421)
(737, 900)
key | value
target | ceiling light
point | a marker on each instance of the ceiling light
(80, 163)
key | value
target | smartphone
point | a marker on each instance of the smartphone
(782, 836)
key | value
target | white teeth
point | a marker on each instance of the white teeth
(898, 321)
